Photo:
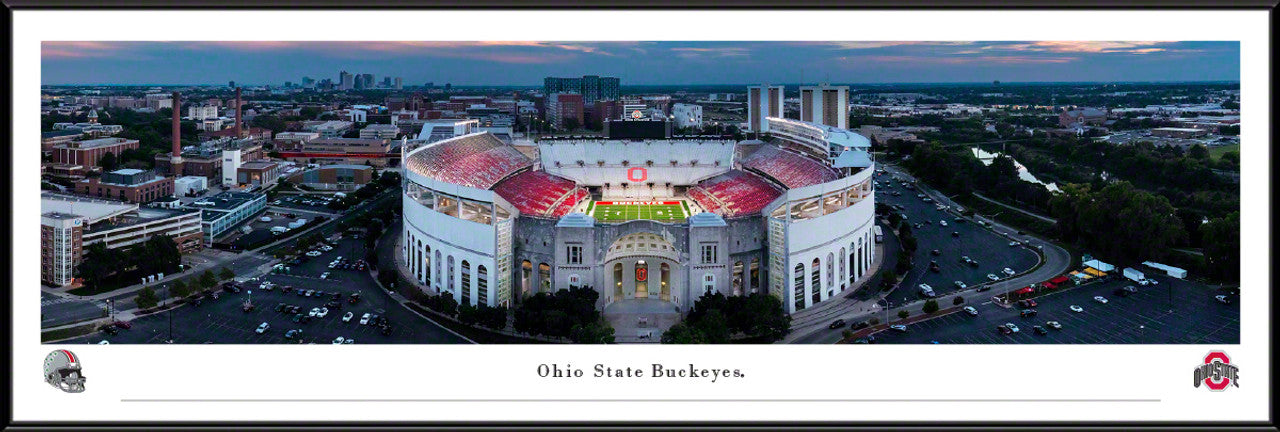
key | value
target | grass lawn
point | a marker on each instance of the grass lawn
(626, 212)
(1216, 152)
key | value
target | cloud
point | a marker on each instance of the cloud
(1133, 47)
(860, 45)
(955, 60)
(520, 52)
(77, 49)
(693, 53)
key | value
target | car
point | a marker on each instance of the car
(123, 324)
(1012, 327)
(347, 316)
(349, 341)
(1004, 330)
(333, 304)
(928, 200)
(307, 318)
(313, 254)
(896, 193)
(919, 195)
(336, 296)
(935, 252)
(955, 234)
(898, 327)
(295, 309)
(302, 293)
(310, 293)
(326, 248)
(364, 319)
(984, 288)
(1027, 304)
(1039, 330)
(857, 341)
(1076, 308)
(1027, 313)
(286, 288)
(859, 325)
(1014, 243)
(928, 222)
(971, 310)
(933, 267)
(1100, 299)
(1222, 299)
(322, 312)
(298, 317)
(104, 342)
(943, 223)
(1120, 292)
(314, 311)
(324, 275)
(1032, 303)
(1053, 325)
(1007, 271)
(262, 328)
(280, 307)
(992, 277)
(966, 259)
(961, 285)
(918, 225)
(317, 293)
(354, 298)
(111, 330)
(339, 340)
(836, 324)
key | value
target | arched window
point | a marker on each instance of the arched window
(798, 286)
(617, 281)
(426, 266)
(466, 282)
(526, 277)
(815, 280)
(544, 277)
(754, 272)
(450, 271)
(843, 259)
(482, 285)
(737, 278)
(439, 264)
(831, 258)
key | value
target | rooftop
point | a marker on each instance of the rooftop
(90, 208)
(141, 215)
(224, 202)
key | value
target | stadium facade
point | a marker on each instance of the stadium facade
(790, 216)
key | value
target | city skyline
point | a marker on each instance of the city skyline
(526, 63)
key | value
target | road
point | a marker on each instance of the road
(989, 246)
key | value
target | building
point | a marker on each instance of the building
(293, 141)
(70, 223)
(366, 81)
(202, 112)
(563, 109)
(131, 185)
(687, 115)
(825, 104)
(326, 151)
(346, 81)
(334, 177)
(89, 152)
(50, 139)
(226, 210)
(190, 186)
(763, 101)
(591, 87)
(486, 224)
(436, 130)
(380, 131)
(1171, 132)
(258, 174)
(330, 129)
(1082, 116)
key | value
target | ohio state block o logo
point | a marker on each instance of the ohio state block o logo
(642, 274)
(637, 174)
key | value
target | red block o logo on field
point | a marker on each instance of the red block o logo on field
(637, 174)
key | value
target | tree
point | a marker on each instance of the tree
(681, 334)
(467, 314)
(571, 124)
(108, 162)
(146, 298)
(226, 273)
(958, 301)
(930, 306)
(1198, 152)
(846, 333)
(903, 314)
(596, 332)
(1222, 246)
(208, 280)
(874, 321)
(179, 289)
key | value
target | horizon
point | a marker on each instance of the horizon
(646, 63)
(921, 83)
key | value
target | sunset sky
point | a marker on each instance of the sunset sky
(637, 63)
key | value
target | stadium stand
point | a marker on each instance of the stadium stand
(734, 193)
(540, 194)
(787, 168)
(478, 160)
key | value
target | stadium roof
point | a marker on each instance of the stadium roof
(853, 159)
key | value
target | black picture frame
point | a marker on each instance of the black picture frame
(6, 230)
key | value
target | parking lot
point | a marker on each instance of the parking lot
(991, 251)
(1172, 312)
(307, 202)
(261, 230)
(222, 321)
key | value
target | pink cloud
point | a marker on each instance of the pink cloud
(957, 60)
(1136, 47)
(77, 49)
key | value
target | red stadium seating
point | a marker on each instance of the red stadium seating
(734, 193)
(537, 193)
(789, 169)
(477, 161)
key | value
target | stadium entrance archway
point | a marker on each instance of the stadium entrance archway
(640, 269)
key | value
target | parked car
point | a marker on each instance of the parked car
(1012, 327)
(111, 330)
(1039, 330)
(935, 252)
(1027, 313)
(339, 340)
(347, 316)
(1053, 325)
(324, 275)
(992, 277)
(1222, 299)
(898, 327)
(1004, 330)
(314, 312)
(1100, 299)
(262, 328)
(123, 324)
(1007, 271)
(971, 310)
(295, 333)
(984, 288)
(1076, 308)
(322, 312)
(1014, 243)
(836, 324)
(961, 285)
(364, 319)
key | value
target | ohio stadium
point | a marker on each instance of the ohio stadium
(650, 224)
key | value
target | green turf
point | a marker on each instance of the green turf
(1217, 151)
(663, 213)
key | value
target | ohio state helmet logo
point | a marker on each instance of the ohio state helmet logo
(62, 371)
(1217, 373)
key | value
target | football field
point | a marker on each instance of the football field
(662, 211)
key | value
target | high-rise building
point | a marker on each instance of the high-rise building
(825, 104)
(307, 82)
(231, 84)
(591, 87)
(763, 101)
(367, 80)
(386, 82)
(346, 81)
(399, 84)
(562, 107)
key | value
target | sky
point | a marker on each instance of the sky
(525, 63)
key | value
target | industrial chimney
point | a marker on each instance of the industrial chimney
(175, 161)
(238, 112)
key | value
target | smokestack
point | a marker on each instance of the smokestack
(238, 112)
(176, 160)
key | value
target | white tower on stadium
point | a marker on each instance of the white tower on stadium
(825, 104)
(763, 101)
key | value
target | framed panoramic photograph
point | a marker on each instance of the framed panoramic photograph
(674, 218)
